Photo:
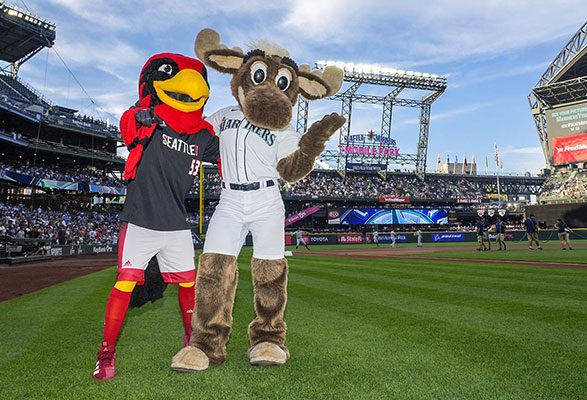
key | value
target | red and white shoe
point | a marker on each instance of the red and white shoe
(105, 364)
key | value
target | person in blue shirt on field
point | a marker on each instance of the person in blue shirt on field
(532, 231)
(486, 228)
(563, 233)
(480, 229)
(500, 234)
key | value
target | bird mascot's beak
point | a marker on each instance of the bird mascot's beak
(186, 91)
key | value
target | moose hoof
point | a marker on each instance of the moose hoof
(190, 359)
(267, 353)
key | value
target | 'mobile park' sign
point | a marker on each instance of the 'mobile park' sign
(382, 147)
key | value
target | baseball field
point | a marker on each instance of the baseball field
(363, 323)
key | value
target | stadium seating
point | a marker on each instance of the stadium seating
(565, 186)
(67, 226)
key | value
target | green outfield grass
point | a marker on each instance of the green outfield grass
(377, 329)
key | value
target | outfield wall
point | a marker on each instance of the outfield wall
(427, 237)
(346, 238)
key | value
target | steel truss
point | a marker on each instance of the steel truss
(571, 53)
(350, 95)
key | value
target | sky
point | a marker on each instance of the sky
(492, 53)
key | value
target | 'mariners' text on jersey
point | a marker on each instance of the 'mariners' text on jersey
(263, 133)
(180, 145)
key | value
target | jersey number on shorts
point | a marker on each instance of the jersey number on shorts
(195, 167)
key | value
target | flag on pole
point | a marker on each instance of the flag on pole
(496, 155)
(486, 166)
(456, 160)
(439, 159)
(447, 158)
(473, 159)
(501, 166)
(465, 157)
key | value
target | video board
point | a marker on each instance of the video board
(369, 216)
(567, 131)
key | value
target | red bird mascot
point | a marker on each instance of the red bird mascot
(167, 140)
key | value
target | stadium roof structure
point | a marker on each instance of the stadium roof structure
(22, 35)
(397, 80)
(563, 82)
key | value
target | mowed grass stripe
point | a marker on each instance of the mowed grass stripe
(34, 316)
(512, 299)
(504, 274)
(536, 271)
(451, 360)
(443, 306)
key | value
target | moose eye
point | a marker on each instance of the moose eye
(258, 72)
(283, 79)
(166, 68)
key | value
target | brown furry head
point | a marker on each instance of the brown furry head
(266, 86)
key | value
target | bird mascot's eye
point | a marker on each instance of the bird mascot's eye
(168, 69)
(283, 79)
(258, 72)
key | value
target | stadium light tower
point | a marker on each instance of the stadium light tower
(23, 35)
(398, 80)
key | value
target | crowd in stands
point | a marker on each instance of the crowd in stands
(78, 174)
(113, 128)
(329, 184)
(358, 186)
(64, 226)
(565, 185)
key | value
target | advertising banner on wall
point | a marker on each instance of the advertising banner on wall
(333, 216)
(569, 149)
(448, 237)
(468, 200)
(365, 167)
(399, 238)
(393, 199)
(351, 238)
(301, 215)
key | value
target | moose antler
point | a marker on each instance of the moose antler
(215, 54)
(332, 76)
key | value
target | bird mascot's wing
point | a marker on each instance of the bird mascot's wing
(135, 138)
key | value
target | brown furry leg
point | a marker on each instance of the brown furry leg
(212, 320)
(270, 284)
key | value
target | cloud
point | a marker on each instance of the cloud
(447, 114)
(521, 159)
(430, 32)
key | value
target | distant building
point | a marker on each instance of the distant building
(461, 169)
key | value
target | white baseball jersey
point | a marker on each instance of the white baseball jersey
(298, 234)
(375, 236)
(250, 153)
(393, 235)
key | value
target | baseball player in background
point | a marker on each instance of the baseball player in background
(376, 237)
(299, 235)
(392, 238)
(419, 233)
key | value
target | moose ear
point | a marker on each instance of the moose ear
(315, 85)
(217, 55)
